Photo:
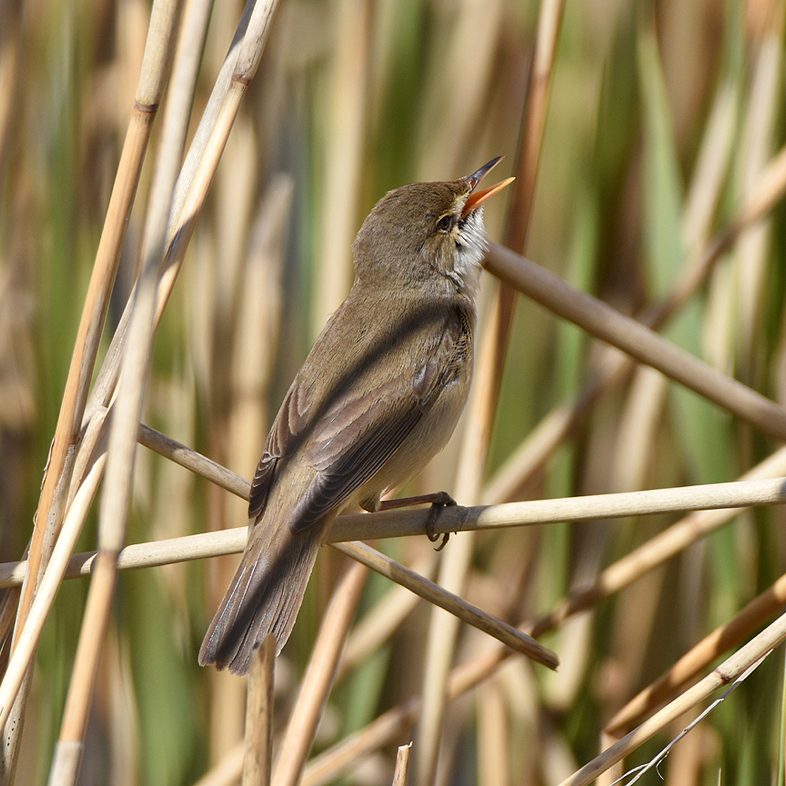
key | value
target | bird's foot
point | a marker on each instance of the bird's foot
(441, 501)
(438, 500)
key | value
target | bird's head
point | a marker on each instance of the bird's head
(427, 232)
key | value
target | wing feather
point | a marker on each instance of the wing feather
(288, 425)
(349, 440)
(345, 466)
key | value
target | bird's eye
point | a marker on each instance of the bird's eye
(445, 223)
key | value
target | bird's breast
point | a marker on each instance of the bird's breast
(429, 435)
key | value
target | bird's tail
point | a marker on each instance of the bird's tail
(264, 597)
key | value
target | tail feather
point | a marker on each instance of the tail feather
(264, 596)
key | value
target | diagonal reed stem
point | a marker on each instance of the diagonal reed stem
(543, 440)
(51, 507)
(722, 639)
(44, 598)
(637, 340)
(731, 669)
(128, 407)
(116, 496)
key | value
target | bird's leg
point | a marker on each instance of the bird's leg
(438, 500)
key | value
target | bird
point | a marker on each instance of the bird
(378, 395)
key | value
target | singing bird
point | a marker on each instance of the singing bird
(378, 395)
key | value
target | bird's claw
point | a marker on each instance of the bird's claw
(442, 501)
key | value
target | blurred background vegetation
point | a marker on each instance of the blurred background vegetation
(354, 97)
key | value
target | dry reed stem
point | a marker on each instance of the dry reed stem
(453, 604)
(116, 496)
(152, 79)
(68, 751)
(258, 745)
(654, 552)
(757, 488)
(722, 639)
(483, 400)
(463, 678)
(534, 124)
(632, 337)
(50, 583)
(197, 172)
(91, 445)
(400, 773)
(731, 669)
(50, 510)
(189, 459)
(711, 496)
(139, 555)
(236, 64)
(382, 620)
(555, 427)
(244, 65)
(114, 509)
(316, 683)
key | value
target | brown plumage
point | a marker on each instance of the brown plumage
(378, 395)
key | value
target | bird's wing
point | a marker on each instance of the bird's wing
(366, 426)
(284, 436)
(349, 435)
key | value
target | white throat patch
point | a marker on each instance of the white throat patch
(471, 247)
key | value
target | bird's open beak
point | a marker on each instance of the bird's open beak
(477, 198)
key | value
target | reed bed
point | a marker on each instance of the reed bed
(181, 183)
